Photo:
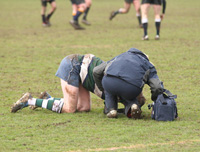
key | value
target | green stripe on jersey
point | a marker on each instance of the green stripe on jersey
(89, 82)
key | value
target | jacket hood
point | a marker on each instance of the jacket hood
(136, 51)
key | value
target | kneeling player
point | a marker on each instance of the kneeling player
(75, 72)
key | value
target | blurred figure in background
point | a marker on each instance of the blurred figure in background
(157, 8)
(78, 8)
(45, 19)
(88, 5)
(127, 5)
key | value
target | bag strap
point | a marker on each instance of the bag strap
(169, 94)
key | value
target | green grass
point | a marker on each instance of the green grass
(30, 56)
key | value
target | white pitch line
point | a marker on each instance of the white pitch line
(139, 146)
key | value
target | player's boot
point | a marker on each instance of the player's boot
(135, 112)
(112, 15)
(48, 23)
(157, 37)
(112, 114)
(76, 25)
(43, 95)
(44, 24)
(145, 37)
(21, 103)
(86, 22)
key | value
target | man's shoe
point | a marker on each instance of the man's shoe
(86, 22)
(43, 95)
(21, 103)
(112, 114)
(157, 37)
(48, 22)
(145, 37)
(76, 25)
(135, 111)
(112, 15)
(45, 24)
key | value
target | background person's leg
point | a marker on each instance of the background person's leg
(157, 10)
(121, 10)
(145, 9)
(43, 10)
(136, 4)
(53, 8)
(88, 5)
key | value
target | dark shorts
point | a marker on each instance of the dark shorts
(77, 2)
(69, 71)
(153, 2)
(44, 2)
(128, 1)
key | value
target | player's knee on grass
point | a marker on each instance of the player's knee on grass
(68, 109)
(84, 101)
(83, 108)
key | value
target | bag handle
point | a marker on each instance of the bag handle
(166, 93)
(162, 99)
(169, 94)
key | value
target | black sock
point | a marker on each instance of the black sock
(157, 28)
(116, 12)
(43, 19)
(145, 26)
(85, 13)
(49, 15)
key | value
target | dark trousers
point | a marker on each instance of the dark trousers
(115, 89)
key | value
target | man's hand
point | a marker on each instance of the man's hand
(162, 16)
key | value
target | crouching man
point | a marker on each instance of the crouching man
(123, 78)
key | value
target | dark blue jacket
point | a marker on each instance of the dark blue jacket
(132, 66)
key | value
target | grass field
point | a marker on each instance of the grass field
(30, 55)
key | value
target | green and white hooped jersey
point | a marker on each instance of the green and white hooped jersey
(89, 62)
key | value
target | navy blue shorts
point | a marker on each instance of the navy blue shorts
(69, 71)
(77, 2)
(44, 2)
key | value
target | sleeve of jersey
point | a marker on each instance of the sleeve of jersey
(98, 73)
